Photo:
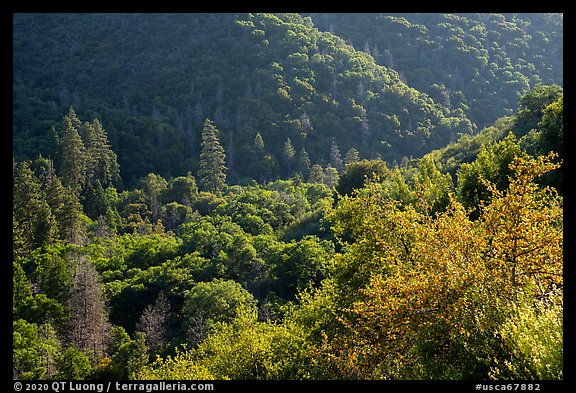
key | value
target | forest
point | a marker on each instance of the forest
(287, 197)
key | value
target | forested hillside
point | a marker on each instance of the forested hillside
(285, 196)
(478, 63)
(155, 78)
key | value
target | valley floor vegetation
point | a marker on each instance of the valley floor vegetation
(445, 267)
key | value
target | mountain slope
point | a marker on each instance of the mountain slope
(152, 79)
(414, 83)
(481, 63)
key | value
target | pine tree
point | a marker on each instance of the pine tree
(335, 157)
(33, 222)
(154, 322)
(65, 207)
(303, 164)
(73, 153)
(351, 156)
(212, 172)
(316, 174)
(288, 152)
(72, 224)
(258, 143)
(88, 325)
(331, 176)
(102, 162)
(95, 202)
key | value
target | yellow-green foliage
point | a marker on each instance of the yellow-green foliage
(432, 292)
(242, 349)
(534, 338)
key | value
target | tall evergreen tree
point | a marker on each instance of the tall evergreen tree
(102, 162)
(258, 143)
(335, 157)
(72, 153)
(288, 152)
(316, 174)
(72, 224)
(65, 206)
(351, 156)
(33, 222)
(212, 172)
(303, 164)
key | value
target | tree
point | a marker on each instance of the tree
(88, 324)
(74, 364)
(288, 154)
(101, 161)
(316, 174)
(335, 157)
(243, 348)
(352, 156)
(358, 174)
(331, 176)
(212, 172)
(181, 189)
(33, 221)
(492, 164)
(73, 156)
(432, 189)
(65, 206)
(258, 143)
(154, 186)
(128, 356)
(214, 301)
(94, 200)
(303, 164)
(551, 127)
(154, 323)
(435, 295)
(21, 291)
(532, 105)
(73, 225)
(34, 350)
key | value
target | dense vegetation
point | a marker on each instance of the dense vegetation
(172, 222)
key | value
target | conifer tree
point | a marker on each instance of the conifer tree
(258, 143)
(303, 164)
(88, 325)
(154, 322)
(33, 222)
(316, 174)
(351, 156)
(335, 157)
(288, 152)
(102, 163)
(212, 172)
(73, 153)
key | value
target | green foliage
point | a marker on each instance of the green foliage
(241, 349)
(358, 174)
(532, 105)
(533, 337)
(492, 164)
(215, 301)
(35, 349)
(283, 78)
(292, 262)
(212, 172)
(451, 56)
(73, 364)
